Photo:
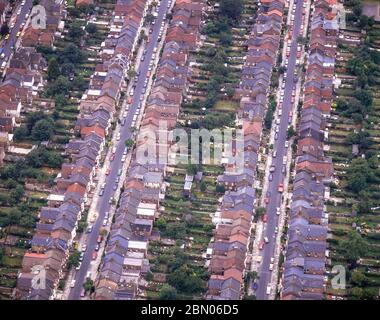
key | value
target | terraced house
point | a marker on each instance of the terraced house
(307, 251)
(54, 236)
(229, 248)
(125, 259)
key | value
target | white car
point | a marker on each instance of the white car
(84, 248)
(278, 211)
(72, 284)
(286, 144)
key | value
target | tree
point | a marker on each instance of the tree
(185, 280)
(149, 276)
(149, 18)
(68, 69)
(230, 91)
(291, 132)
(364, 96)
(54, 160)
(354, 247)
(359, 175)
(42, 130)
(203, 186)
(357, 292)
(1, 255)
(14, 216)
(231, 8)
(20, 133)
(71, 53)
(358, 278)
(129, 143)
(17, 193)
(260, 211)
(92, 28)
(75, 31)
(73, 260)
(191, 169)
(225, 39)
(4, 30)
(220, 188)
(53, 69)
(88, 285)
(167, 292)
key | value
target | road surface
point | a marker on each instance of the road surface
(103, 203)
(278, 177)
(11, 41)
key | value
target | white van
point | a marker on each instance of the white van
(269, 289)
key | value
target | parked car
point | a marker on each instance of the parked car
(94, 255)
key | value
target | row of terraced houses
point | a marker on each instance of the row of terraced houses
(229, 246)
(58, 221)
(125, 259)
(306, 252)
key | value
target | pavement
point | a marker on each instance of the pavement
(102, 204)
(276, 199)
(9, 44)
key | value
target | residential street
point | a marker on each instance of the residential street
(103, 204)
(275, 198)
(8, 44)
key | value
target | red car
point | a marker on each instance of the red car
(261, 245)
(94, 255)
(108, 171)
(280, 188)
(112, 157)
(265, 218)
(266, 200)
(100, 239)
